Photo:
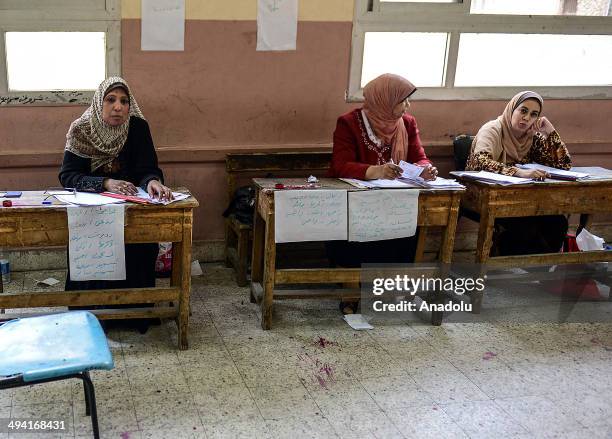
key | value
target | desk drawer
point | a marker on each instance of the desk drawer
(50, 228)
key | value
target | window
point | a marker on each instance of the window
(453, 49)
(57, 51)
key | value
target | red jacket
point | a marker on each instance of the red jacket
(354, 152)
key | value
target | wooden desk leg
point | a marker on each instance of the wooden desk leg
(184, 275)
(448, 235)
(446, 253)
(268, 274)
(483, 249)
(257, 255)
(420, 247)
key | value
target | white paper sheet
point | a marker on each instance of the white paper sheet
(410, 171)
(387, 184)
(310, 215)
(88, 199)
(48, 282)
(178, 196)
(594, 172)
(96, 243)
(491, 177)
(384, 214)
(556, 173)
(163, 25)
(357, 321)
(277, 24)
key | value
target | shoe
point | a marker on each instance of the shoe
(348, 307)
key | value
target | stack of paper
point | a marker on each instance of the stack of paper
(491, 177)
(145, 196)
(382, 183)
(411, 176)
(87, 199)
(557, 174)
(594, 172)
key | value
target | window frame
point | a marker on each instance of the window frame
(64, 16)
(454, 19)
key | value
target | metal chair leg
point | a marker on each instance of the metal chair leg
(90, 400)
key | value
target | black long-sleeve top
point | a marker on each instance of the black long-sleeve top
(136, 163)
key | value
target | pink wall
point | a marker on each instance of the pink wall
(221, 95)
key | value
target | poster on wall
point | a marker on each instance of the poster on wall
(163, 25)
(277, 24)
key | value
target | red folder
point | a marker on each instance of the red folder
(131, 198)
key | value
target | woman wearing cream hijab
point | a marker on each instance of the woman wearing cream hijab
(521, 135)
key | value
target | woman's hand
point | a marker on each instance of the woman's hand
(388, 171)
(119, 187)
(429, 172)
(159, 191)
(542, 125)
(534, 174)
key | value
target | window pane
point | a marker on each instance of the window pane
(44, 61)
(534, 60)
(542, 7)
(417, 56)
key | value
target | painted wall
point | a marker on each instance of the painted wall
(221, 95)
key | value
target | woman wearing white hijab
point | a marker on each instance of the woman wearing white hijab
(521, 135)
(109, 148)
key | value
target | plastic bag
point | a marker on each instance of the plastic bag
(586, 241)
(163, 264)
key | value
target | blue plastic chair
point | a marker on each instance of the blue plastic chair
(54, 347)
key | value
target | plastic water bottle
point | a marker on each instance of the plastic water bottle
(5, 268)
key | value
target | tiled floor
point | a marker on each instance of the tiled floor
(311, 376)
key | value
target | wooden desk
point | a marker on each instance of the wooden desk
(238, 236)
(492, 201)
(436, 209)
(35, 226)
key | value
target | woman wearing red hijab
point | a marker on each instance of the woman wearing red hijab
(369, 142)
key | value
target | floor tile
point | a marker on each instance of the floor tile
(308, 426)
(483, 419)
(341, 398)
(426, 422)
(539, 415)
(161, 412)
(278, 402)
(367, 424)
(226, 403)
(393, 393)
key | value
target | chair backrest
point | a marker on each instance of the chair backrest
(278, 164)
(461, 150)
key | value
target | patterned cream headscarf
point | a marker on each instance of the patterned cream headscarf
(90, 137)
(497, 138)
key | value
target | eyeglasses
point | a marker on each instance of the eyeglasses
(52, 191)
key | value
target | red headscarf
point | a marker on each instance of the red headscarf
(381, 95)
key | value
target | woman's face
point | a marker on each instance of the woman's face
(401, 108)
(525, 115)
(115, 107)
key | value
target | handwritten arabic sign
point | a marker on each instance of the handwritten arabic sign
(96, 245)
(310, 215)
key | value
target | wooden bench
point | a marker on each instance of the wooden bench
(241, 168)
